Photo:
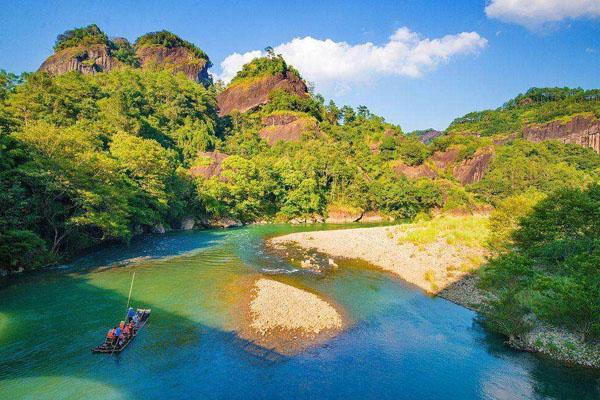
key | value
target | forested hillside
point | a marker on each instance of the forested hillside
(101, 145)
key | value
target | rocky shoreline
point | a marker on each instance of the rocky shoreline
(378, 247)
(432, 267)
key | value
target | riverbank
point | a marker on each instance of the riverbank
(441, 257)
(431, 261)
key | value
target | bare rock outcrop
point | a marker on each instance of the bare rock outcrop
(428, 136)
(414, 171)
(211, 167)
(582, 130)
(474, 168)
(244, 96)
(442, 159)
(174, 59)
(88, 60)
(286, 127)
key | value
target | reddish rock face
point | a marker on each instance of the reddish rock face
(581, 130)
(442, 159)
(244, 97)
(286, 127)
(87, 60)
(175, 59)
(213, 167)
(414, 172)
(473, 169)
(428, 136)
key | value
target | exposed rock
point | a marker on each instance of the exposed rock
(372, 216)
(343, 215)
(159, 228)
(286, 127)
(187, 224)
(582, 130)
(504, 140)
(221, 223)
(374, 147)
(442, 159)
(174, 59)
(86, 59)
(213, 166)
(244, 96)
(388, 132)
(414, 171)
(473, 169)
(428, 136)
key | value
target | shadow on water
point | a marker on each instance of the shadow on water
(404, 344)
(550, 379)
(60, 344)
(149, 247)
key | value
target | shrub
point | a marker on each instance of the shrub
(265, 66)
(85, 36)
(170, 40)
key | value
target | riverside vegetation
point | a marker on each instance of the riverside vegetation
(93, 158)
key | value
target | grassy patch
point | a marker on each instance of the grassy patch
(470, 231)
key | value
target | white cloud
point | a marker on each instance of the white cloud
(536, 13)
(326, 62)
(233, 63)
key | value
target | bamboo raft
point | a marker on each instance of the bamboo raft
(111, 347)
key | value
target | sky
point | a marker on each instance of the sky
(419, 64)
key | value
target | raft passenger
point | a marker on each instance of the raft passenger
(130, 314)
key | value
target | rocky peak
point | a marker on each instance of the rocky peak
(176, 59)
(583, 130)
(85, 59)
(427, 135)
(89, 51)
(246, 95)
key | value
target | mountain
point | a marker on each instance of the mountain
(563, 114)
(89, 50)
(252, 86)
(132, 143)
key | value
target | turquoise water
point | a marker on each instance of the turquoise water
(401, 343)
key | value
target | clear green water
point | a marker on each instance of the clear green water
(402, 344)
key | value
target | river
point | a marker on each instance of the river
(401, 344)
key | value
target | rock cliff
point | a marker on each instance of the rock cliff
(414, 172)
(212, 165)
(429, 135)
(254, 92)
(286, 127)
(92, 52)
(473, 169)
(85, 59)
(583, 130)
(174, 59)
(442, 159)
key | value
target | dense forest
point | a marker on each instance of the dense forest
(93, 158)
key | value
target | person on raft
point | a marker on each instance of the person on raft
(130, 314)
(110, 336)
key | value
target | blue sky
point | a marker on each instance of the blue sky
(446, 58)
